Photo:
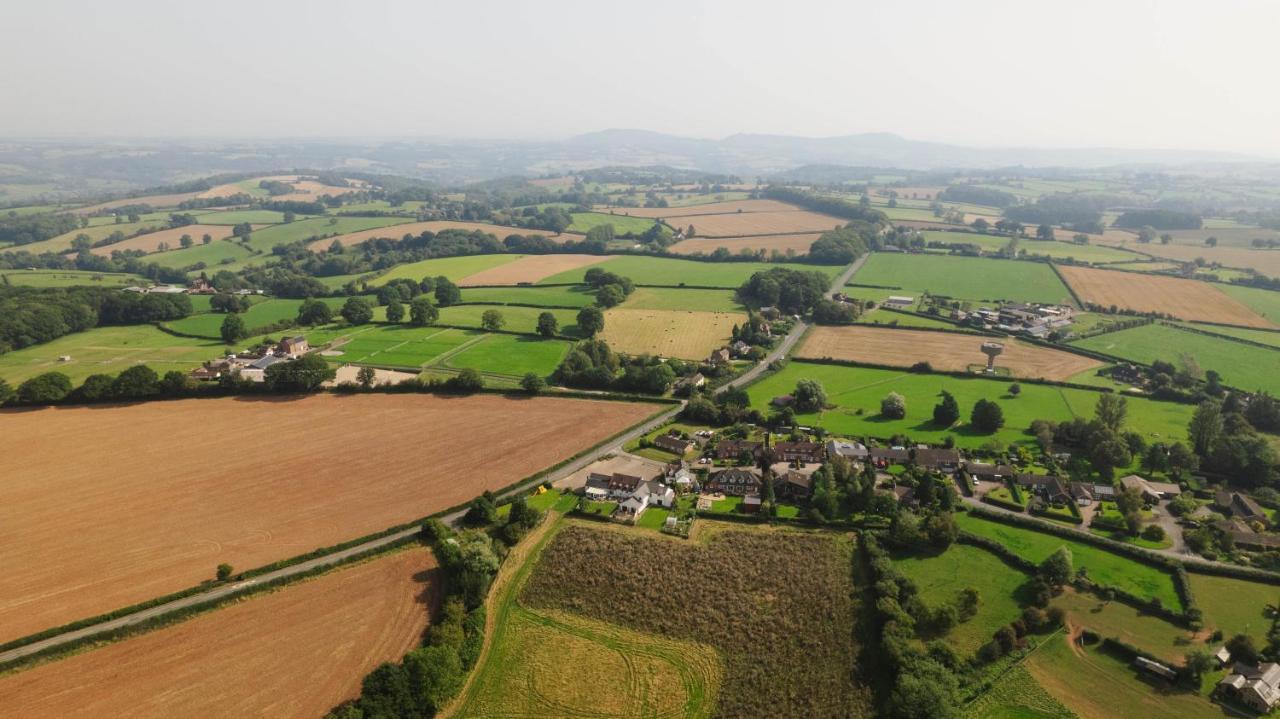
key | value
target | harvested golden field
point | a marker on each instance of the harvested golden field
(714, 208)
(156, 201)
(759, 223)
(530, 268)
(108, 506)
(171, 238)
(799, 244)
(221, 191)
(1184, 299)
(296, 652)
(669, 333)
(311, 190)
(950, 351)
(1266, 262)
(396, 232)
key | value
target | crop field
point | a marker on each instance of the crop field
(1094, 685)
(394, 345)
(511, 355)
(622, 224)
(108, 350)
(970, 278)
(153, 200)
(253, 217)
(542, 296)
(151, 241)
(855, 393)
(515, 318)
(530, 269)
(668, 298)
(1121, 621)
(665, 272)
(67, 278)
(1266, 262)
(667, 333)
(173, 520)
(323, 634)
(1184, 299)
(797, 244)
(1057, 250)
(781, 627)
(1235, 606)
(714, 208)
(396, 232)
(1017, 695)
(212, 255)
(1104, 567)
(941, 577)
(951, 351)
(62, 243)
(1244, 366)
(742, 224)
(455, 268)
(1265, 303)
(318, 227)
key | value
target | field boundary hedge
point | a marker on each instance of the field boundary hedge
(956, 373)
(1071, 290)
(1241, 340)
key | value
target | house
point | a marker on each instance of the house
(989, 472)
(1155, 668)
(1240, 506)
(1243, 536)
(256, 371)
(646, 494)
(798, 451)
(293, 346)
(1082, 493)
(1257, 687)
(1151, 492)
(1053, 490)
(201, 286)
(692, 381)
(770, 313)
(848, 450)
(793, 485)
(738, 481)
(210, 370)
(673, 444)
(720, 356)
(623, 485)
(740, 348)
(885, 456)
(941, 460)
(899, 302)
(734, 448)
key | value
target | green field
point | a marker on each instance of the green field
(971, 278)
(261, 314)
(662, 271)
(940, 577)
(1056, 250)
(1241, 365)
(391, 345)
(511, 355)
(1263, 302)
(859, 389)
(1017, 695)
(1262, 336)
(541, 296)
(516, 319)
(253, 217)
(108, 350)
(455, 268)
(622, 224)
(1121, 621)
(1234, 605)
(269, 237)
(1103, 567)
(668, 298)
(212, 255)
(68, 278)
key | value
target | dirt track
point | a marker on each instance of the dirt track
(292, 653)
(1184, 299)
(108, 506)
(951, 351)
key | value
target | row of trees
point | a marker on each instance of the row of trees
(30, 316)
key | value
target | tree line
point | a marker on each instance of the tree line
(30, 316)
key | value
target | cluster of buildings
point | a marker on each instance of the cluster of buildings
(252, 364)
(1033, 320)
(197, 286)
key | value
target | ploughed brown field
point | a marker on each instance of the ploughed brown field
(172, 237)
(714, 208)
(530, 268)
(395, 232)
(296, 652)
(108, 506)
(1184, 299)
(797, 243)
(950, 351)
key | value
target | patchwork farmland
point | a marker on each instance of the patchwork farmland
(1181, 298)
(281, 487)
(324, 635)
(395, 232)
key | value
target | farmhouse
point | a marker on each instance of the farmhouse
(846, 449)
(798, 451)
(293, 346)
(1239, 506)
(734, 448)
(673, 444)
(1257, 687)
(690, 382)
(1150, 491)
(738, 481)
(719, 357)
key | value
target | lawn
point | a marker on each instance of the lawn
(670, 298)
(68, 278)
(455, 268)
(622, 224)
(511, 355)
(941, 577)
(665, 272)
(540, 296)
(1056, 250)
(1235, 606)
(1103, 567)
(1241, 365)
(108, 350)
(971, 278)
(855, 393)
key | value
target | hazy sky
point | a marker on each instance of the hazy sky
(1123, 73)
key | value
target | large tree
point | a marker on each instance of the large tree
(590, 321)
(986, 416)
(357, 311)
(946, 412)
(422, 312)
(809, 396)
(233, 329)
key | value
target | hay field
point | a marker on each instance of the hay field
(111, 505)
(530, 268)
(798, 244)
(951, 351)
(668, 333)
(62, 243)
(295, 652)
(395, 232)
(713, 208)
(1266, 262)
(150, 242)
(758, 223)
(153, 200)
(1184, 299)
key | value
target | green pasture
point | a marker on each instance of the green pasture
(1263, 336)
(253, 217)
(971, 278)
(511, 355)
(108, 350)
(455, 268)
(213, 255)
(261, 314)
(622, 224)
(1057, 250)
(670, 272)
(392, 345)
(317, 227)
(541, 296)
(1234, 605)
(515, 319)
(68, 278)
(1263, 302)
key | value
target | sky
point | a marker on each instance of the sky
(993, 73)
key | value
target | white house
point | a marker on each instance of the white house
(647, 494)
(900, 302)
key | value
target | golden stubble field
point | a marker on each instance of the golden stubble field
(107, 506)
(950, 351)
(530, 268)
(395, 232)
(668, 333)
(799, 244)
(1185, 299)
(171, 238)
(296, 652)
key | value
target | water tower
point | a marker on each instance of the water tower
(992, 350)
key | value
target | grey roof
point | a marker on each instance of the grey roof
(265, 361)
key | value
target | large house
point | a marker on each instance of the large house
(646, 494)
(293, 346)
(1257, 687)
(1240, 506)
(793, 485)
(847, 449)
(737, 481)
(673, 444)
(885, 456)
(1151, 492)
(617, 486)
(734, 448)
(798, 451)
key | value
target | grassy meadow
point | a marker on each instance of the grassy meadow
(661, 271)
(971, 278)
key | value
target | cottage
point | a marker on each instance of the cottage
(1151, 492)
(673, 444)
(740, 348)
(1257, 687)
(846, 449)
(885, 456)
(989, 472)
(677, 475)
(904, 494)
(734, 448)
(293, 346)
(941, 460)
(798, 451)
(1240, 506)
(646, 494)
(738, 481)
(692, 381)
(1082, 493)
(720, 356)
